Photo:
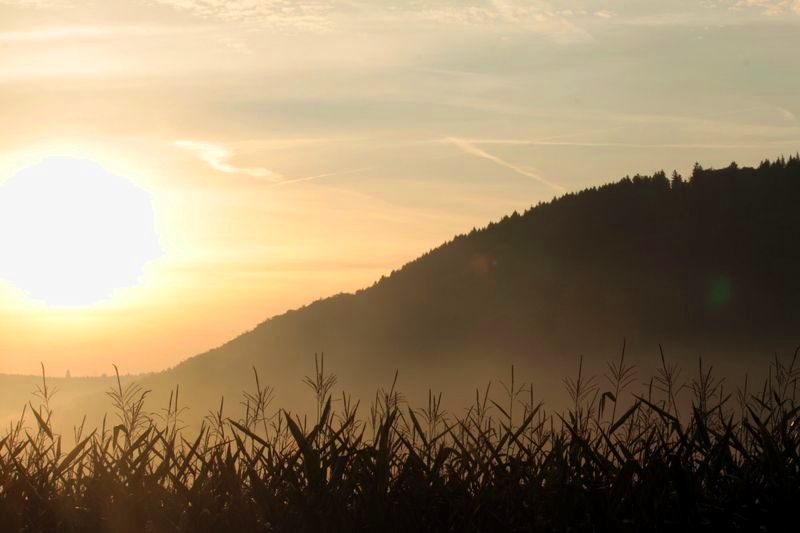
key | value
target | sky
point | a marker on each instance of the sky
(293, 150)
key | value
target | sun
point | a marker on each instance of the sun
(71, 232)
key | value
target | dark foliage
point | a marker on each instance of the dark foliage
(709, 258)
(618, 460)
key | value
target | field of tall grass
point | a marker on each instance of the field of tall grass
(677, 451)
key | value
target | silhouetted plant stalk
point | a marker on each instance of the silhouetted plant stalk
(615, 460)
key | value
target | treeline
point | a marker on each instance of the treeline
(707, 257)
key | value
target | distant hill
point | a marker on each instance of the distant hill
(708, 265)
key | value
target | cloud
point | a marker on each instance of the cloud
(35, 3)
(469, 148)
(310, 15)
(60, 33)
(218, 157)
(772, 7)
(611, 144)
(513, 15)
(560, 25)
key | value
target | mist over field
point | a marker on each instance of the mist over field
(699, 270)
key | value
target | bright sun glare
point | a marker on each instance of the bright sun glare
(71, 232)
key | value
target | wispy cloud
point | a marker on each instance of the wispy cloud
(772, 7)
(309, 15)
(218, 157)
(469, 148)
(59, 33)
(559, 25)
(36, 3)
(611, 144)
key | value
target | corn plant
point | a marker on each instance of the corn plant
(619, 459)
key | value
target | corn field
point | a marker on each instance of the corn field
(661, 454)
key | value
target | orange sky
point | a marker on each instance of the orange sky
(294, 150)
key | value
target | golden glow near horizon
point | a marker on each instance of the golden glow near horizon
(293, 150)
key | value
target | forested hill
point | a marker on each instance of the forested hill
(715, 254)
(709, 261)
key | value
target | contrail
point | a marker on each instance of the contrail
(318, 176)
(342, 172)
(471, 149)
